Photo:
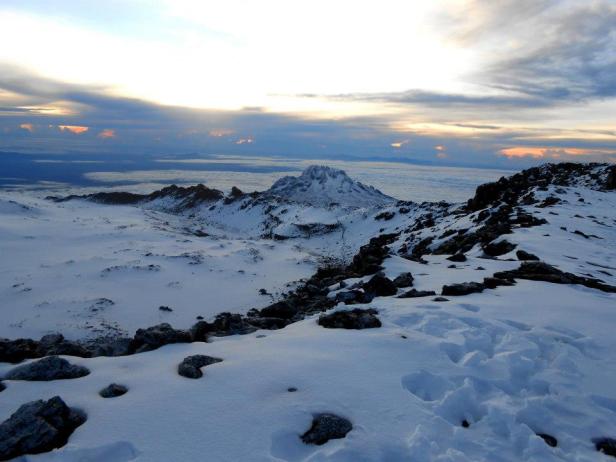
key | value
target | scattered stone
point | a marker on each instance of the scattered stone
(263, 292)
(464, 288)
(440, 299)
(165, 308)
(38, 426)
(49, 368)
(457, 257)
(452, 266)
(465, 423)
(606, 445)
(291, 389)
(326, 427)
(351, 297)
(414, 293)
(113, 390)
(404, 280)
(480, 268)
(380, 286)
(523, 255)
(191, 366)
(385, 216)
(549, 439)
(354, 319)
(156, 336)
(495, 249)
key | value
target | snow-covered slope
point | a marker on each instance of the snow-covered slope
(524, 359)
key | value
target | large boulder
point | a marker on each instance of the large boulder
(156, 336)
(326, 427)
(15, 351)
(526, 256)
(606, 445)
(113, 390)
(284, 310)
(380, 286)
(496, 249)
(464, 288)
(191, 366)
(38, 426)
(50, 368)
(414, 293)
(354, 319)
(404, 280)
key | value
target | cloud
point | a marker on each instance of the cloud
(107, 133)
(554, 152)
(27, 126)
(76, 129)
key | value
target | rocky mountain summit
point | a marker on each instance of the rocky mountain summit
(485, 328)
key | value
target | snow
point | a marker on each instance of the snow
(513, 362)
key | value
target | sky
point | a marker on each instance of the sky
(500, 83)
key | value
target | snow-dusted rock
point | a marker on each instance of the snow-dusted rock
(50, 368)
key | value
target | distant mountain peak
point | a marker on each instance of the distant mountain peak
(322, 186)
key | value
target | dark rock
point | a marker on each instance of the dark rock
(38, 426)
(113, 390)
(414, 293)
(350, 297)
(380, 286)
(263, 292)
(549, 439)
(540, 271)
(268, 323)
(495, 249)
(523, 255)
(493, 283)
(387, 215)
(283, 309)
(465, 423)
(440, 299)
(464, 288)
(50, 368)
(404, 280)
(191, 366)
(452, 266)
(370, 256)
(156, 336)
(457, 257)
(326, 427)
(2, 387)
(354, 319)
(606, 445)
(115, 346)
(15, 351)
(291, 389)
(165, 308)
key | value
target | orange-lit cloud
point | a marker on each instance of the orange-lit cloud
(220, 133)
(551, 152)
(399, 144)
(28, 127)
(244, 141)
(439, 147)
(76, 129)
(107, 133)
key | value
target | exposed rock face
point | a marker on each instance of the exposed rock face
(414, 293)
(464, 288)
(156, 336)
(354, 319)
(380, 286)
(404, 280)
(38, 426)
(540, 271)
(191, 366)
(113, 390)
(524, 256)
(326, 427)
(50, 368)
